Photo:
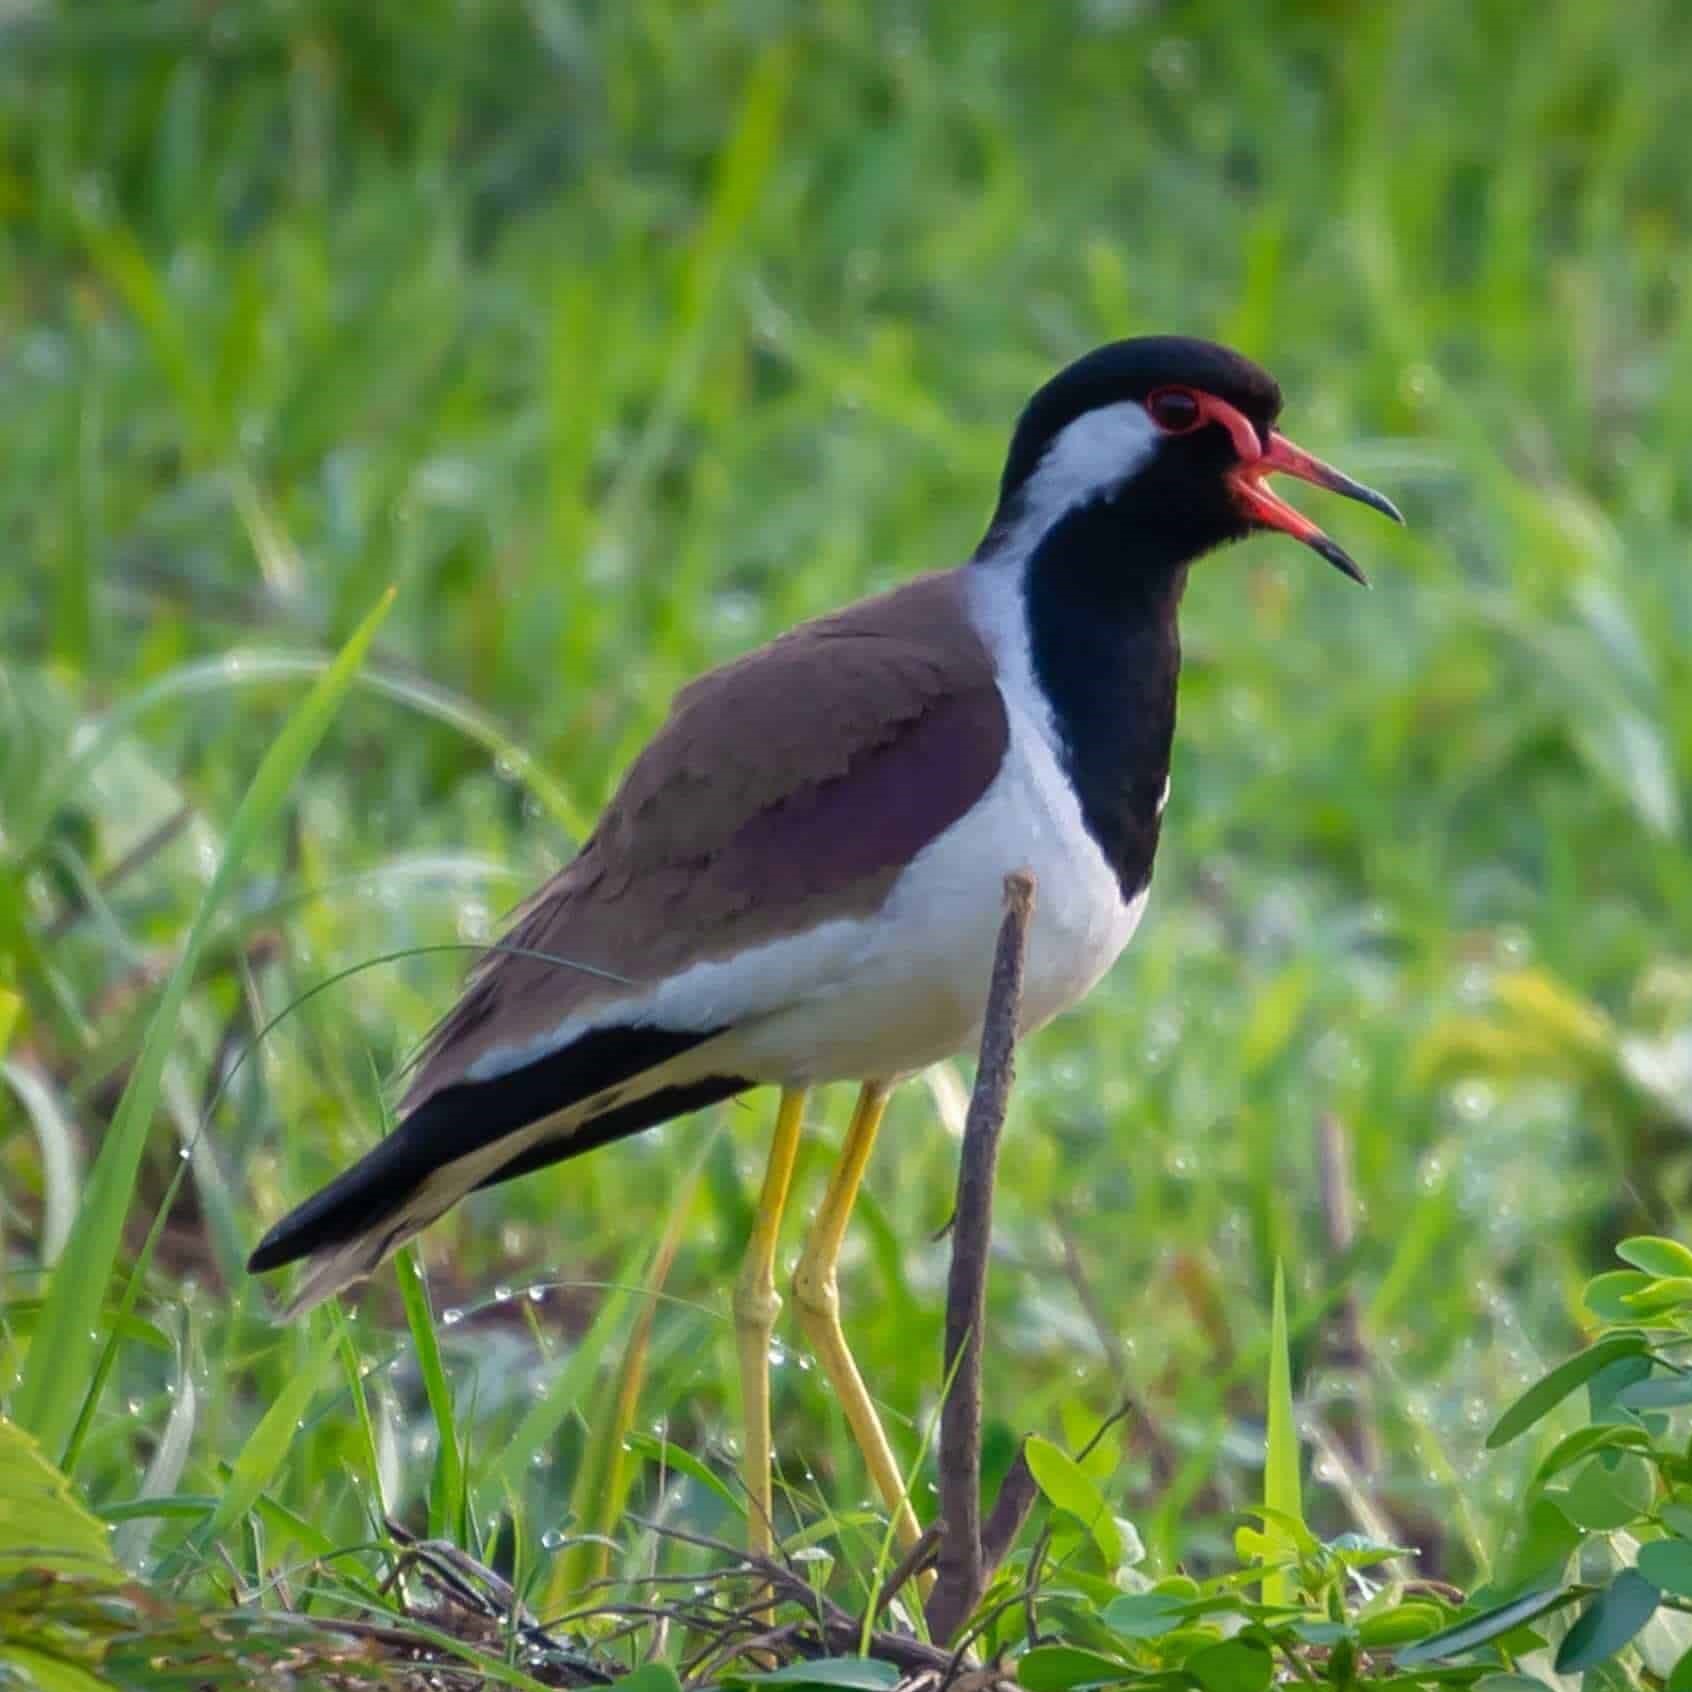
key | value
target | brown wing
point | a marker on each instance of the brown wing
(785, 789)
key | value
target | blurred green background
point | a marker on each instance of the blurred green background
(619, 336)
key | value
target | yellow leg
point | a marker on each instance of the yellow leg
(818, 1296)
(756, 1305)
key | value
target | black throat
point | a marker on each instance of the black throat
(1107, 654)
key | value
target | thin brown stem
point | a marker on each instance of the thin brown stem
(961, 1563)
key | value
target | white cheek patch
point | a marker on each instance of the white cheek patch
(1087, 460)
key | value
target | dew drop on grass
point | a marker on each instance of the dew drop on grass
(811, 1554)
(502, 1295)
(553, 1538)
(778, 1354)
(1472, 1100)
(452, 1317)
(1515, 945)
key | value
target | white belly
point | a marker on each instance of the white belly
(892, 993)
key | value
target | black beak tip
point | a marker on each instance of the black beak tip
(1368, 496)
(1340, 559)
(1387, 509)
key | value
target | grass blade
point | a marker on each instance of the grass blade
(164, 1473)
(1281, 1492)
(61, 1173)
(447, 1513)
(267, 1446)
(58, 1365)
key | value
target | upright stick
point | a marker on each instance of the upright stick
(960, 1561)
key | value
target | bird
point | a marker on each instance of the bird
(798, 880)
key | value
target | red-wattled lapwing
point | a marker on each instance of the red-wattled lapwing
(800, 879)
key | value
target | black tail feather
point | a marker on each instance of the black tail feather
(472, 1115)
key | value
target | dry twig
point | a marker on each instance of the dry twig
(960, 1562)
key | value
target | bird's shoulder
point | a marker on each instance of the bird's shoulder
(809, 708)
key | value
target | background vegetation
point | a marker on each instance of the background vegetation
(615, 337)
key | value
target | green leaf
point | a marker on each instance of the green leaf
(1658, 1296)
(1056, 1668)
(844, 1674)
(667, 1455)
(43, 1525)
(1610, 1383)
(1668, 1563)
(1490, 1624)
(1357, 1551)
(649, 1677)
(1546, 1394)
(1603, 1294)
(1571, 1448)
(1680, 1676)
(60, 1362)
(267, 1445)
(1606, 1495)
(1539, 1548)
(50, 1673)
(1065, 1485)
(23, 1316)
(1676, 1516)
(1660, 1392)
(1656, 1255)
(1399, 1625)
(1281, 1492)
(1321, 1632)
(1236, 1665)
(1144, 1615)
(1608, 1622)
(447, 1497)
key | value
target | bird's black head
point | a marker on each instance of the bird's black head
(1161, 446)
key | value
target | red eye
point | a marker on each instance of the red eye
(1173, 410)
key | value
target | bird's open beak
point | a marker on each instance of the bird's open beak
(1267, 510)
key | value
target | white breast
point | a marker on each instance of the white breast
(897, 991)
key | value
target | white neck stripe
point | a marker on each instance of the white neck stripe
(1087, 460)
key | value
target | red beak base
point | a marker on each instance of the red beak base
(1265, 509)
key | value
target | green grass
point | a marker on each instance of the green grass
(615, 337)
